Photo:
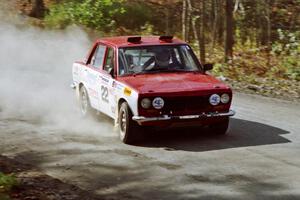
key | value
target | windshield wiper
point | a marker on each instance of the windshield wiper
(163, 70)
(138, 73)
(149, 72)
(181, 70)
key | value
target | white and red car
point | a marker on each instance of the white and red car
(150, 81)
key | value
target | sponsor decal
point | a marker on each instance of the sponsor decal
(114, 84)
(119, 87)
(127, 91)
(104, 80)
(214, 99)
(158, 103)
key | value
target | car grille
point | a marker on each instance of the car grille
(184, 105)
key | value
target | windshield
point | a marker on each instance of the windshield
(152, 59)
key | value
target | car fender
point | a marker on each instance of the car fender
(128, 94)
(78, 79)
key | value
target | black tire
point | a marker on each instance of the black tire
(84, 103)
(221, 127)
(127, 127)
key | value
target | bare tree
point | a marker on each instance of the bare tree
(195, 24)
(188, 22)
(229, 41)
(202, 33)
(38, 9)
(268, 30)
(183, 20)
(214, 22)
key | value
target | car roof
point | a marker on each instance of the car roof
(122, 41)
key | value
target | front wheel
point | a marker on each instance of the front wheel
(127, 126)
(221, 127)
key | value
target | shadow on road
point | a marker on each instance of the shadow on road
(242, 133)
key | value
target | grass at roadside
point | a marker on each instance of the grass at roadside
(7, 182)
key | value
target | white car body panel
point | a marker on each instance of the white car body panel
(104, 91)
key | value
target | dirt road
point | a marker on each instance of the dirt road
(258, 159)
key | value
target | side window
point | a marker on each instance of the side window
(121, 65)
(97, 59)
(109, 60)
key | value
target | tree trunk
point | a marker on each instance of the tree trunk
(202, 34)
(268, 39)
(268, 19)
(167, 21)
(38, 9)
(215, 23)
(220, 22)
(258, 24)
(183, 20)
(229, 31)
(188, 22)
(195, 24)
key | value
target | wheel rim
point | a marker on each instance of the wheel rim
(123, 125)
(84, 102)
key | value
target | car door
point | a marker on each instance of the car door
(108, 103)
(92, 73)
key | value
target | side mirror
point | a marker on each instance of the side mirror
(208, 66)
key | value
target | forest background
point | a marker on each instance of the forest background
(254, 44)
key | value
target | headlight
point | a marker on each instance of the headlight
(146, 103)
(225, 98)
(158, 103)
(214, 99)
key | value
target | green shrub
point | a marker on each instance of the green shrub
(292, 65)
(95, 14)
(7, 182)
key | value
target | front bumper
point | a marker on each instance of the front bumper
(141, 119)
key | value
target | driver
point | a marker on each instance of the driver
(162, 58)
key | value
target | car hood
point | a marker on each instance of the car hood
(173, 82)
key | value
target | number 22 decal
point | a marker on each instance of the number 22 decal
(104, 93)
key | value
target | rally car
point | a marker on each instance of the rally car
(150, 81)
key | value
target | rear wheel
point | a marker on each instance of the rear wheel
(127, 126)
(84, 103)
(221, 127)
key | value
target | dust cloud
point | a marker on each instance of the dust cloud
(35, 75)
